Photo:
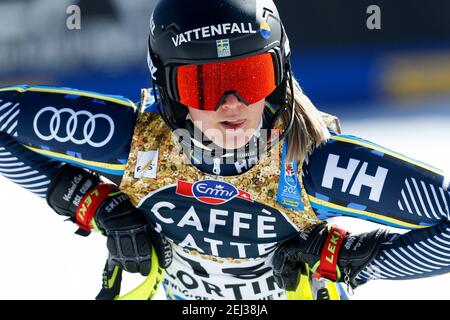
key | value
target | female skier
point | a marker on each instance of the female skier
(194, 172)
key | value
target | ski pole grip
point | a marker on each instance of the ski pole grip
(112, 280)
(149, 287)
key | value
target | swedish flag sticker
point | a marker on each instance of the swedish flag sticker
(265, 30)
(223, 48)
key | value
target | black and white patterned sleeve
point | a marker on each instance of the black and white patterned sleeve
(349, 176)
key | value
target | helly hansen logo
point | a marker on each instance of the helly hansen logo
(354, 178)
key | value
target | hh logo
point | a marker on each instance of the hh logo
(333, 171)
(211, 191)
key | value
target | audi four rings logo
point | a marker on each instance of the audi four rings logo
(71, 126)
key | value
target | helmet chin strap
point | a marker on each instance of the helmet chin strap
(192, 142)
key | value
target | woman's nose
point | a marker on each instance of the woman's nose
(231, 101)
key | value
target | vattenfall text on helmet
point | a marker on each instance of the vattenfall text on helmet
(211, 31)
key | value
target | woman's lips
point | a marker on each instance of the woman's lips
(233, 124)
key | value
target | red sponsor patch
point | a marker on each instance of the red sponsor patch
(211, 191)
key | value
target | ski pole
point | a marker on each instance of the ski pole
(112, 279)
(311, 288)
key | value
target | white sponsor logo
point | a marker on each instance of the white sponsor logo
(147, 164)
(82, 192)
(375, 183)
(238, 224)
(114, 202)
(212, 31)
(72, 126)
(225, 280)
(71, 190)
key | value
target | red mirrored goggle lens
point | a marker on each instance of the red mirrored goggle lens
(204, 86)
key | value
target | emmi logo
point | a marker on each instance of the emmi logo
(214, 192)
(333, 171)
(211, 192)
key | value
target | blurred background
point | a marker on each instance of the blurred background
(340, 63)
(388, 85)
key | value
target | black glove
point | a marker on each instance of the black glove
(330, 252)
(81, 196)
(130, 236)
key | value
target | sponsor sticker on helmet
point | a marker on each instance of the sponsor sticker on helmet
(213, 31)
(223, 48)
(265, 30)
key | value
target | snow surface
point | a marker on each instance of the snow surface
(42, 258)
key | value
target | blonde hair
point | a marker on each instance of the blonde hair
(309, 129)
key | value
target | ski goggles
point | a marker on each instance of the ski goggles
(205, 86)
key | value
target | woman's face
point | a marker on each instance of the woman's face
(232, 125)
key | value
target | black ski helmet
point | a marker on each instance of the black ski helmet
(184, 32)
